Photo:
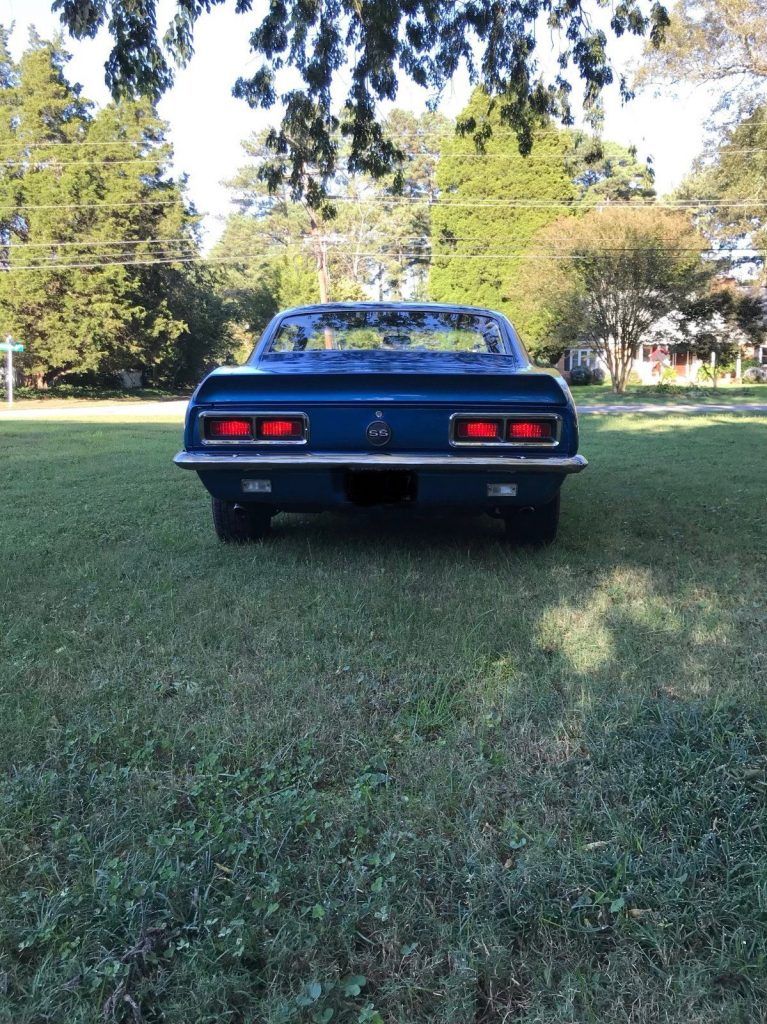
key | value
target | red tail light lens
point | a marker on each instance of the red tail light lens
(229, 429)
(287, 428)
(479, 430)
(529, 430)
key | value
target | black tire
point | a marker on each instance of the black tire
(240, 524)
(534, 526)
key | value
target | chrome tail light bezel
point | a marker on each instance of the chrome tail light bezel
(254, 416)
(549, 417)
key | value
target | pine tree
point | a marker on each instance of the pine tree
(48, 114)
(474, 219)
(99, 238)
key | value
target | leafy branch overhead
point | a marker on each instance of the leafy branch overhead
(718, 42)
(375, 46)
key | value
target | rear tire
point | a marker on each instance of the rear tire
(535, 527)
(240, 524)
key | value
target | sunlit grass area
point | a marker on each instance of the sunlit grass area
(726, 393)
(381, 769)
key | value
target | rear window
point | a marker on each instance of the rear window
(386, 331)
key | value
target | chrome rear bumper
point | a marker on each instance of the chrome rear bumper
(202, 462)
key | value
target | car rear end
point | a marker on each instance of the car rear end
(330, 430)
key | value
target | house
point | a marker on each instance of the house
(667, 349)
(651, 362)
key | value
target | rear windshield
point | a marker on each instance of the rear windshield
(386, 331)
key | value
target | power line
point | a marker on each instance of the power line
(95, 206)
(56, 164)
(378, 256)
(96, 243)
(67, 143)
(579, 203)
(425, 240)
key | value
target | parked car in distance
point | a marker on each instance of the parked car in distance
(348, 406)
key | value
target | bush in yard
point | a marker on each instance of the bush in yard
(580, 375)
(756, 375)
(597, 375)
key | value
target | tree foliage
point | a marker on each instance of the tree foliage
(493, 206)
(374, 46)
(713, 41)
(94, 232)
(281, 251)
(731, 188)
(615, 273)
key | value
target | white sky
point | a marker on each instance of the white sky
(207, 124)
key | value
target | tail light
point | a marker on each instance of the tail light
(283, 428)
(228, 428)
(258, 428)
(479, 430)
(505, 430)
(529, 430)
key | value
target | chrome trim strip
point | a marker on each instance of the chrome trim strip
(249, 414)
(379, 460)
(505, 417)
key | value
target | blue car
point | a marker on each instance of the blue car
(355, 405)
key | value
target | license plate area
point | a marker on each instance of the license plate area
(380, 486)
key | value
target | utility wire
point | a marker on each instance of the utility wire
(579, 203)
(378, 256)
(411, 240)
(555, 158)
(55, 164)
(95, 206)
(97, 243)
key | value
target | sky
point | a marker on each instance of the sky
(207, 124)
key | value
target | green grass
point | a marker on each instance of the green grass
(725, 394)
(381, 770)
(69, 394)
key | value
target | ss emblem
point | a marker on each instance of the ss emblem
(378, 433)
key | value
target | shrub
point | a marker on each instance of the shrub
(756, 374)
(580, 375)
(597, 375)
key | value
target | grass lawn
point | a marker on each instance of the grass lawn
(68, 396)
(724, 394)
(378, 770)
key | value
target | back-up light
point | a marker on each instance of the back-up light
(529, 430)
(283, 428)
(479, 430)
(228, 429)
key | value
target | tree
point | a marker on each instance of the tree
(616, 273)
(375, 45)
(731, 188)
(46, 113)
(492, 207)
(713, 41)
(280, 251)
(97, 236)
(479, 234)
(719, 324)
